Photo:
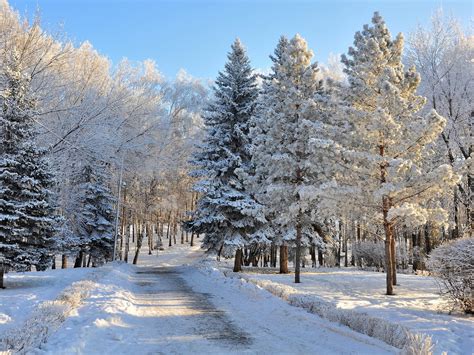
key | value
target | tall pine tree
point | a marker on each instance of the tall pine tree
(226, 212)
(382, 165)
(27, 218)
(283, 155)
(271, 231)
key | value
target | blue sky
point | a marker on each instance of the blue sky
(196, 35)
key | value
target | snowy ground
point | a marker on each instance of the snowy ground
(416, 305)
(27, 290)
(178, 303)
(166, 306)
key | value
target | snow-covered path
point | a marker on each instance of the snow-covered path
(164, 307)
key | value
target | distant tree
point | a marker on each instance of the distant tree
(226, 212)
(443, 56)
(27, 217)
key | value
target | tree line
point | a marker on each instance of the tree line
(376, 160)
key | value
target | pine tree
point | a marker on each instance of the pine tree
(27, 217)
(382, 170)
(269, 232)
(226, 212)
(282, 153)
(92, 213)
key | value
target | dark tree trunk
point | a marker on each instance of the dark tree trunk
(320, 257)
(394, 259)
(168, 232)
(64, 261)
(2, 276)
(414, 244)
(149, 236)
(427, 240)
(79, 258)
(313, 256)
(284, 259)
(238, 260)
(139, 245)
(298, 254)
(272, 255)
(53, 266)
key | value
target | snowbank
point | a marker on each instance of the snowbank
(390, 333)
(48, 315)
(413, 318)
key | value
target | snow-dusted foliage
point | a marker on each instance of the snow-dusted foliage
(27, 219)
(283, 159)
(380, 158)
(453, 266)
(226, 212)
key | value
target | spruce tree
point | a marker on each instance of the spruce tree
(269, 232)
(226, 212)
(92, 212)
(27, 217)
(283, 156)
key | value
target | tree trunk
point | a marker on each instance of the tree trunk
(313, 256)
(192, 239)
(394, 259)
(272, 255)
(320, 257)
(238, 260)
(284, 259)
(298, 253)
(427, 240)
(2, 274)
(133, 231)
(386, 204)
(127, 238)
(139, 245)
(169, 234)
(64, 261)
(53, 266)
(78, 261)
(149, 236)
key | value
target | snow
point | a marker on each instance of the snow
(170, 304)
(416, 305)
(27, 290)
(180, 301)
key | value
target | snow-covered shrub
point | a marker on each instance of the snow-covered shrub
(418, 344)
(370, 254)
(391, 333)
(453, 266)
